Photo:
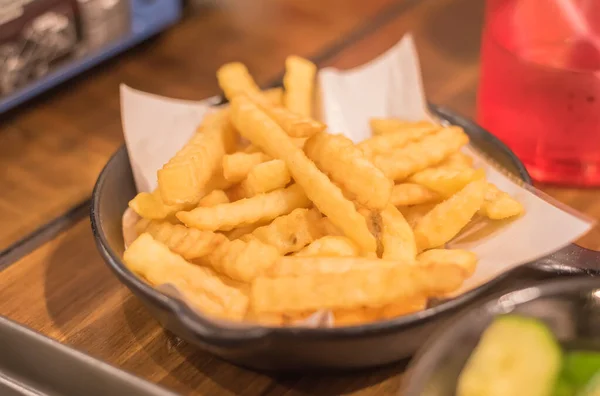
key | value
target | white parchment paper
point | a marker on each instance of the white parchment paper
(389, 86)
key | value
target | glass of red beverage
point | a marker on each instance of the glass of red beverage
(540, 85)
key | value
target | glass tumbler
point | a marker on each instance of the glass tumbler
(540, 85)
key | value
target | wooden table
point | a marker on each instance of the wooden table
(52, 149)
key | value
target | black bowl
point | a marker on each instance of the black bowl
(281, 348)
(570, 307)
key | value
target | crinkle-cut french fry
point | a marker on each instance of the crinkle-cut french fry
(406, 194)
(151, 206)
(299, 83)
(447, 218)
(382, 126)
(397, 238)
(355, 316)
(274, 96)
(214, 198)
(374, 224)
(295, 125)
(243, 261)
(257, 127)
(313, 266)
(291, 232)
(201, 286)
(373, 287)
(234, 79)
(463, 259)
(416, 156)
(446, 181)
(499, 205)
(413, 214)
(401, 308)
(346, 165)
(247, 211)
(389, 142)
(190, 243)
(237, 233)
(267, 319)
(327, 228)
(183, 179)
(458, 160)
(236, 166)
(330, 246)
(265, 177)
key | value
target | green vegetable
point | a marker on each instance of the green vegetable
(592, 388)
(516, 356)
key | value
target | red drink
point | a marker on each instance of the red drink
(540, 85)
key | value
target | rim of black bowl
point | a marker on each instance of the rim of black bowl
(216, 334)
(427, 356)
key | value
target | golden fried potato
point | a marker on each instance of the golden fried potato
(214, 198)
(201, 286)
(382, 126)
(446, 181)
(397, 238)
(295, 125)
(274, 96)
(345, 164)
(458, 160)
(318, 265)
(389, 142)
(406, 194)
(463, 259)
(183, 179)
(236, 166)
(243, 261)
(299, 83)
(257, 127)
(234, 79)
(151, 206)
(416, 156)
(498, 205)
(373, 286)
(265, 177)
(446, 219)
(190, 243)
(327, 228)
(330, 246)
(247, 211)
(291, 232)
(413, 214)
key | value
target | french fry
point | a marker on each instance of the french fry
(446, 181)
(391, 141)
(355, 316)
(327, 228)
(265, 177)
(397, 238)
(183, 179)
(330, 246)
(243, 261)
(299, 83)
(374, 287)
(289, 233)
(382, 126)
(498, 205)
(201, 286)
(345, 164)
(274, 96)
(402, 308)
(295, 125)
(234, 79)
(406, 194)
(458, 160)
(236, 166)
(214, 198)
(446, 219)
(237, 233)
(247, 211)
(311, 266)
(189, 243)
(416, 156)
(414, 214)
(257, 127)
(463, 259)
(151, 206)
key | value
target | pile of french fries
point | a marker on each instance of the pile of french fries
(264, 216)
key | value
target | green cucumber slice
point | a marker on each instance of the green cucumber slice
(592, 388)
(516, 356)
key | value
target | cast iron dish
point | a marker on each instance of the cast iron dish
(570, 307)
(285, 349)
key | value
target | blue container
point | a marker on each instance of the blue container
(148, 17)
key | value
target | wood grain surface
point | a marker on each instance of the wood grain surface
(64, 289)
